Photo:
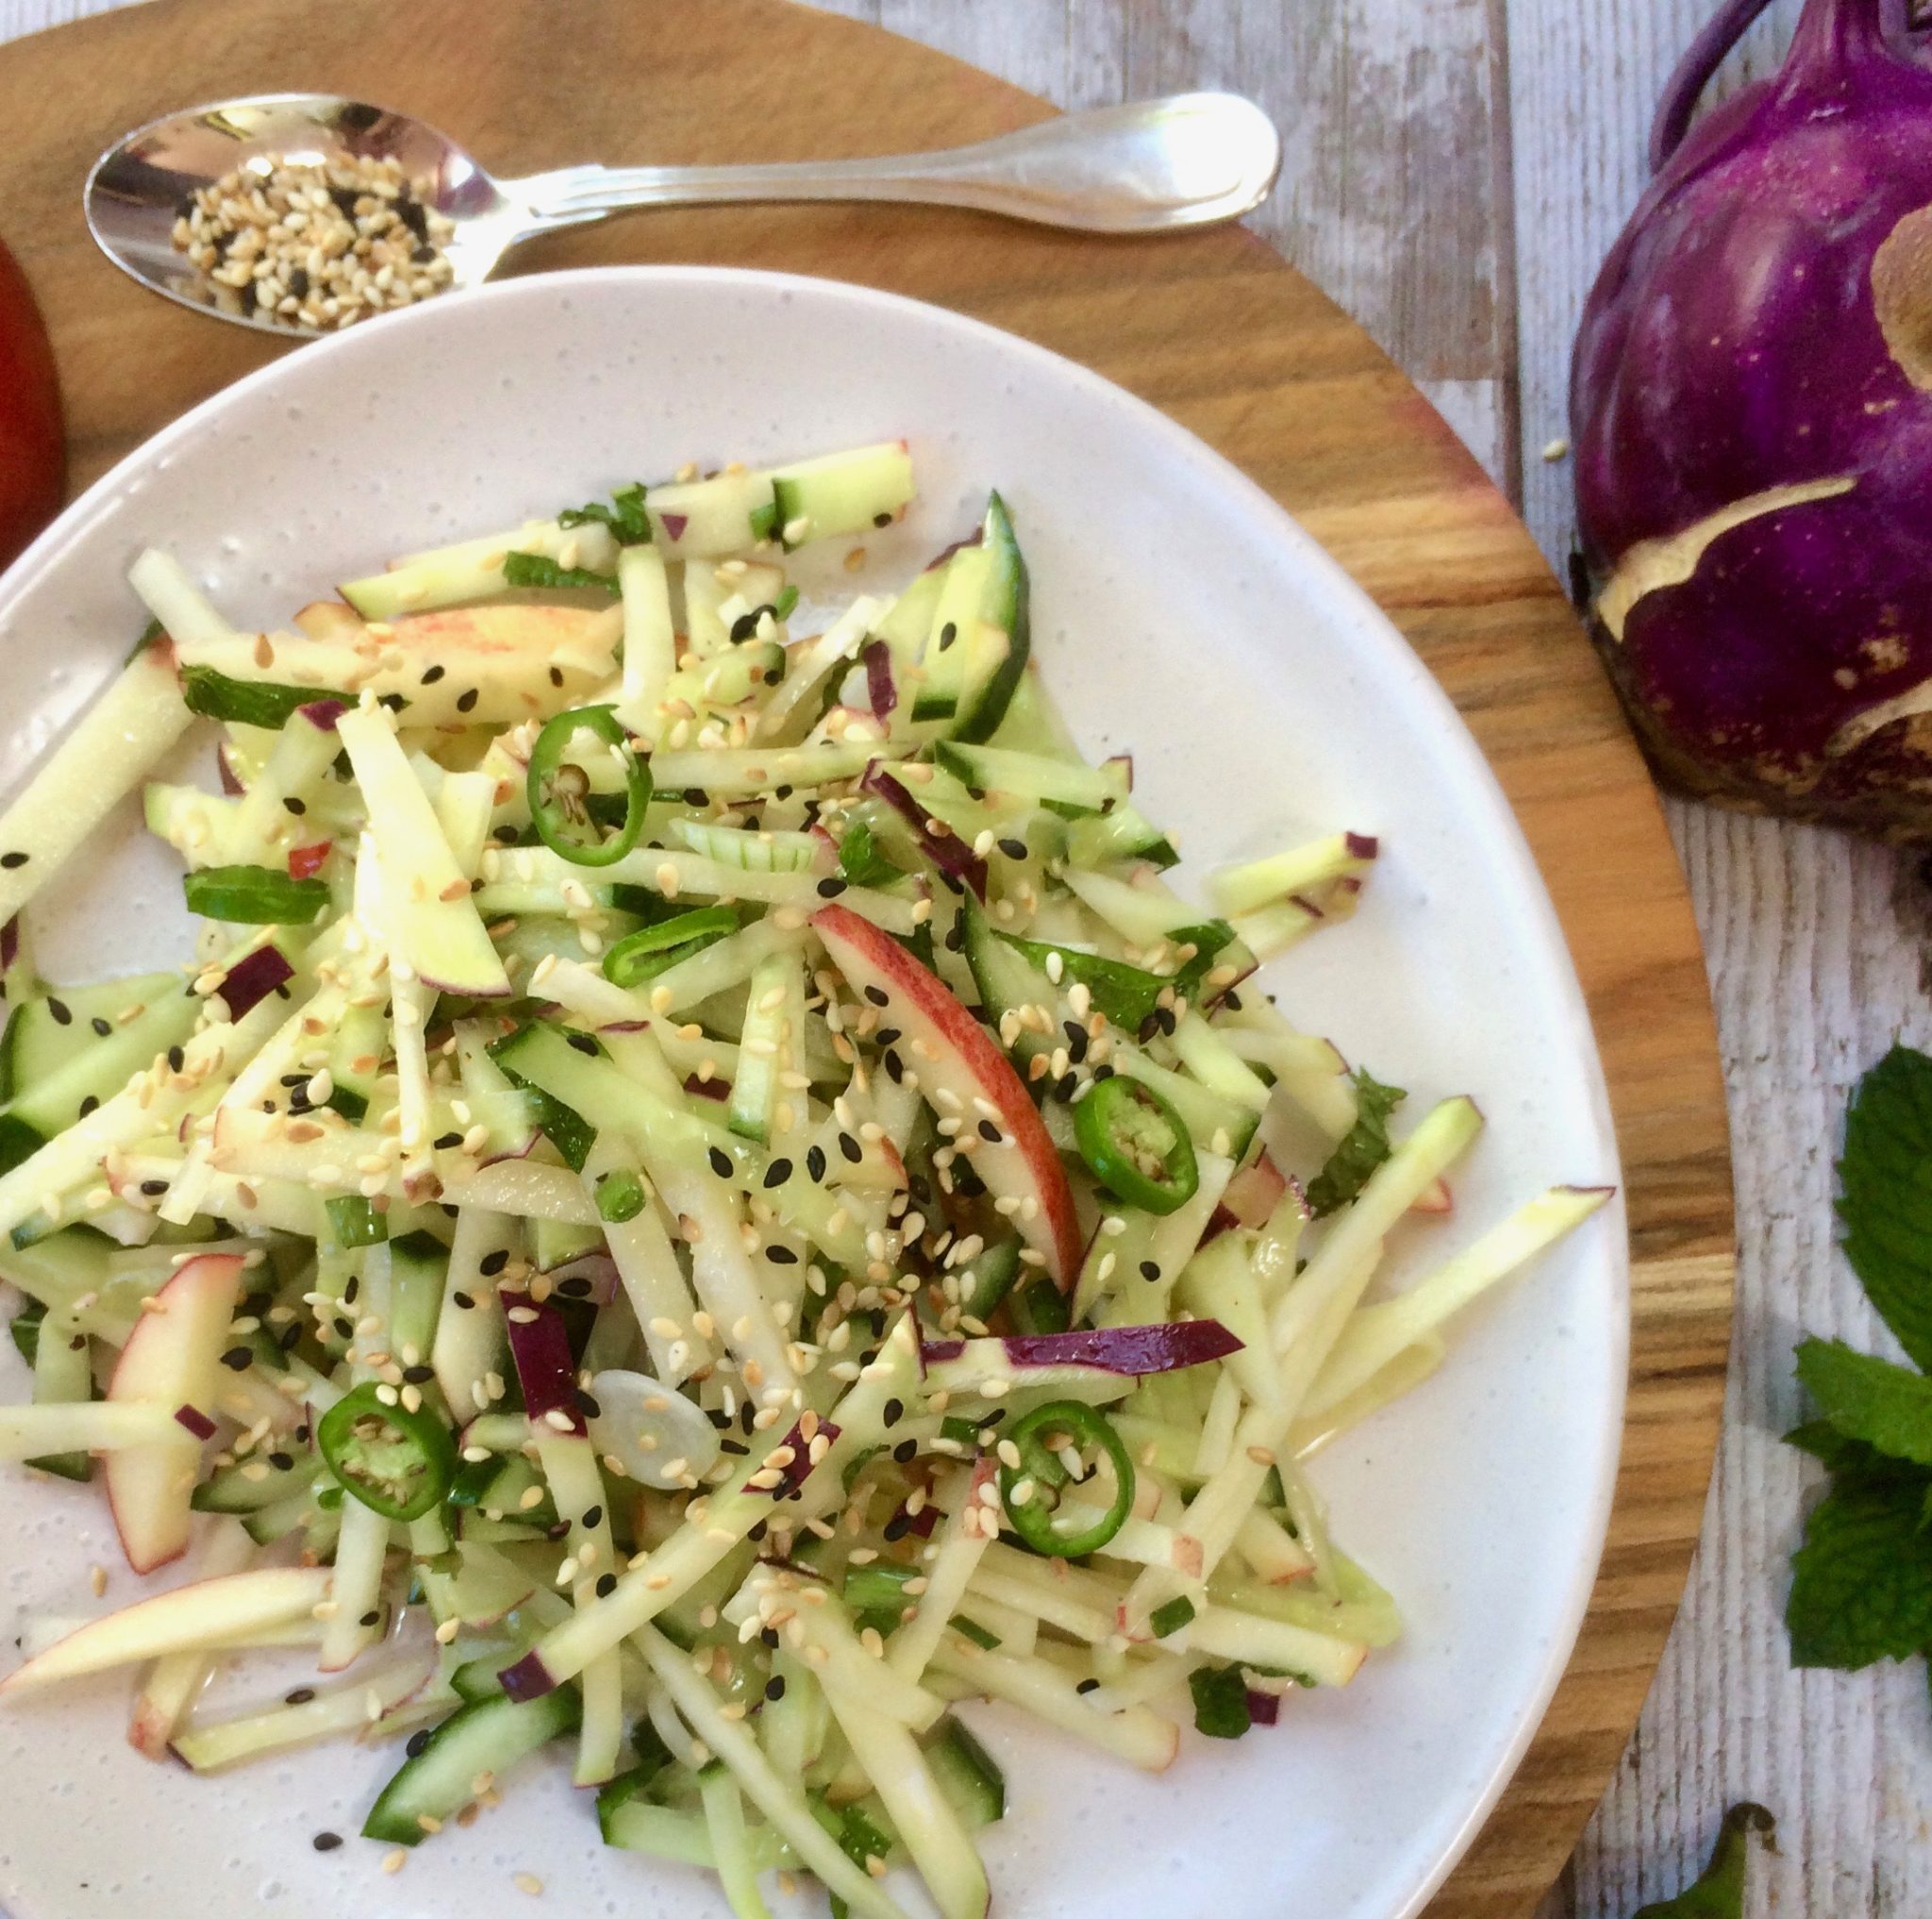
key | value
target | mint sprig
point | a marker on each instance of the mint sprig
(1861, 1581)
(1362, 1148)
(630, 526)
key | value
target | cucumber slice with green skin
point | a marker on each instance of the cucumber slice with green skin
(498, 1487)
(486, 1736)
(63, 1376)
(1100, 840)
(72, 1026)
(418, 1266)
(774, 1021)
(1008, 608)
(842, 493)
(555, 1243)
(1032, 776)
(972, 1784)
(238, 1489)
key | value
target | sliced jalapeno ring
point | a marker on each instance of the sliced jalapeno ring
(559, 789)
(398, 1463)
(1042, 1439)
(650, 950)
(1136, 1146)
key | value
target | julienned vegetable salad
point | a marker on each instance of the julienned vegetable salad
(702, 1199)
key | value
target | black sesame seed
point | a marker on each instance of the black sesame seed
(1088, 1686)
(745, 627)
(593, 1517)
(733, 1447)
(323, 1842)
(12, 861)
(418, 1743)
(775, 1687)
(719, 1418)
(777, 1172)
(414, 215)
(175, 1056)
(696, 796)
(432, 674)
(747, 1418)
(462, 1302)
(64, 1016)
(781, 793)
(768, 1637)
(558, 1532)
(490, 1265)
(851, 1148)
(239, 1358)
(557, 675)
(759, 1531)
(720, 1162)
(369, 1618)
(446, 1140)
(1102, 1073)
(575, 1287)
(895, 1067)
(948, 633)
(886, 1036)
(1068, 1085)
(956, 938)
(89, 1104)
(290, 1337)
(345, 198)
(990, 1133)
(905, 1451)
(896, 1527)
(879, 995)
(1231, 1000)
(831, 889)
(781, 1255)
(466, 701)
(1013, 849)
(99, 1025)
(301, 1696)
(344, 1328)
(583, 1043)
(815, 1163)
(895, 1412)
(587, 1405)
(1150, 1269)
(606, 1584)
(418, 1376)
(290, 804)
(993, 1418)
(298, 282)
(351, 1289)
(282, 1462)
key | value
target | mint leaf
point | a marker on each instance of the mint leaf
(1719, 1892)
(625, 515)
(1362, 1150)
(1851, 1461)
(1861, 1583)
(1886, 1176)
(1888, 1406)
(539, 570)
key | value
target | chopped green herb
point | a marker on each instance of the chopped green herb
(972, 1630)
(539, 570)
(1221, 1701)
(1362, 1148)
(1171, 1617)
(630, 526)
(861, 862)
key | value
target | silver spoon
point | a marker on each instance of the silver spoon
(1147, 167)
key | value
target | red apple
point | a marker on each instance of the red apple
(33, 451)
(172, 1360)
(1250, 1198)
(952, 1052)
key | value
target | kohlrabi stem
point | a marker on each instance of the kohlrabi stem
(1701, 59)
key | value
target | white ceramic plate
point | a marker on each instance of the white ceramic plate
(1177, 613)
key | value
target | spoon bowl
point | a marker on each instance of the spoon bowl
(1150, 166)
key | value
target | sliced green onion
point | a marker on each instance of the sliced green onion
(1171, 1617)
(355, 1221)
(559, 806)
(620, 1196)
(253, 895)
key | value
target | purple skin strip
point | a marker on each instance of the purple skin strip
(323, 714)
(951, 855)
(799, 1469)
(252, 977)
(1128, 1351)
(196, 1421)
(540, 1348)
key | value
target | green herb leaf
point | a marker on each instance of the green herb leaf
(1886, 1176)
(1171, 1617)
(1863, 1397)
(1851, 1461)
(1362, 1150)
(1719, 1892)
(248, 702)
(625, 516)
(253, 895)
(1861, 1583)
(539, 570)
(1221, 1701)
(861, 862)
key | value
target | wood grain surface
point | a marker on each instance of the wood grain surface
(1215, 329)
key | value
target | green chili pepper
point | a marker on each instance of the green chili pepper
(398, 1463)
(559, 807)
(650, 950)
(1135, 1144)
(1041, 1437)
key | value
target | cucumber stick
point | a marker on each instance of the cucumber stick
(488, 1735)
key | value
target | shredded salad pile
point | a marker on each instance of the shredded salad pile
(702, 1199)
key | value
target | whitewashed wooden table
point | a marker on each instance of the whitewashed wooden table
(1455, 169)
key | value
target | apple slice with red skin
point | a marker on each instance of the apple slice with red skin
(172, 1360)
(948, 1048)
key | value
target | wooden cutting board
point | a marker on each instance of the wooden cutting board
(1216, 330)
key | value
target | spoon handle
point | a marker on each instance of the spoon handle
(1185, 160)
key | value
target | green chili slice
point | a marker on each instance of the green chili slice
(559, 789)
(1135, 1144)
(653, 949)
(398, 1463)
(1042, 1439)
